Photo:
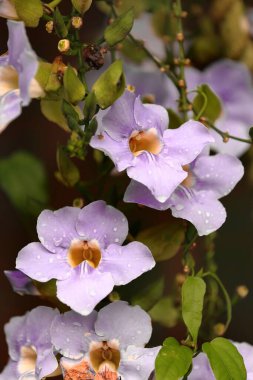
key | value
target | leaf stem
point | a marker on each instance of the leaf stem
(226, 135)
(226, 296)
(53, 4)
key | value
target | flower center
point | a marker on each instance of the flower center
(148, 141)
(105, 358)
(88, 251)
(27, 361)
(189, 180)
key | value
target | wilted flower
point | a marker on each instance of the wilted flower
(7, 9)
(83, 250)
(21, 283)
(105, 345)
(202, 370)
(196, 199)
(30, 348)
(17, 71)
(136, 138)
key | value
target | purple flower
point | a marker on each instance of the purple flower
(21, 283)
(7, 9)
(236, 94)
(196, 199)
(17, 71)
(202, 370)
(30, 348)
(136, 138)
(106, 345)
(83, 250)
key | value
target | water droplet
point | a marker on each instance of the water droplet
(206, 221)
(94, 230)
(179, 207)
(208, 214)
(115, 229)
(116, 240)
(38, 257)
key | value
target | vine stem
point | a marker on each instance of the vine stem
(226, 296)
(177, 7)
(227, 136)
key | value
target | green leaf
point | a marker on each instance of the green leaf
(71, 115)
(59, 24)
(174, 119)
(193, 292)
(23, 179)
(207, 104)
(43, 73)
(110, 85)
(164, 240)
(165, 312)
(225, 360)
(30, 12)
(90, 106)
(52, 110)
(148, 295)
(81, 6)
(69, 172)
(119, 29)
(173, 360)
(74, 88)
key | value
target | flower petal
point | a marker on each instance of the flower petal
(201, 369)
(129, 324)
(218, 174)
(119, 153)
(57, 228)
(36, 262)
(22, 57)
(138, 193)
(201, 208)
(83, 291)
(160, 174)
(47, 364)
(70, 333)
(186, 142)
(21, 283)
(119, 121)
(15, 336)
(150, 116)
(138, 363)
(126, 263)
(10, 371)
(103, 223)
(10, 108)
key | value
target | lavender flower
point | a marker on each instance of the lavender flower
(136, 138)
(30, 348)
(83, 250)
(105, 345)
(21, 283)
(196, 199)
(202, 370)
(17, 71)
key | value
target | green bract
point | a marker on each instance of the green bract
(29, 11)
(119, 29)
(110, 85)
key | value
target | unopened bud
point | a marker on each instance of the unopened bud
(114, 296)
(180, 37)
(186, 269)
(187, 61)
(242, 291)
(225, 138)
(148, 98)
(49, 26)
(78, 202)
(131, 88)
(64, 45)
(219, 329)
(77, 22)
(180, 279)
(181, 83)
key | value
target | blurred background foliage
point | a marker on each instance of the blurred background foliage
(31, 178)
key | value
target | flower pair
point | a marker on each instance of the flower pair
(104, 345)
(169, 168)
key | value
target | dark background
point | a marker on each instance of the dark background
(33, 133)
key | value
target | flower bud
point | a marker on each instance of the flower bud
(77, 22)
(78, 202)
(49, 26)
(114, 296)
(64, 45)
(242, 291)
(219, 329)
